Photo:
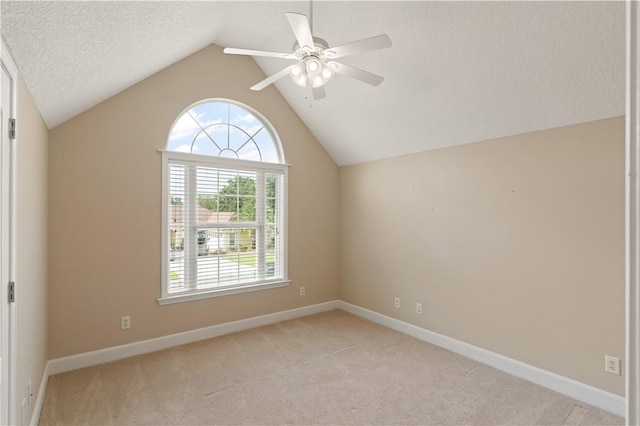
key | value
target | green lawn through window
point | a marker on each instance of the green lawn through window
(250, 259)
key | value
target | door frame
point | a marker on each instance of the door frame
(8, 180)
(633, 214)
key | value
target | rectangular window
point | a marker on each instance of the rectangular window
(225, 227)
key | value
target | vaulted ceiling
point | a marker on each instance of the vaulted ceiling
(458, 72)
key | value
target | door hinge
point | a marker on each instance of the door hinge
(12, 291)
(12, 128)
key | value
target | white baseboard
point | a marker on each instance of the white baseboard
(37, 408)
(605, 400)
(87, 359)
(572, 388)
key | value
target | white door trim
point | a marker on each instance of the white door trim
(632, 215)
(6, 61)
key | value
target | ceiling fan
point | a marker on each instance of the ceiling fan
(315, 64)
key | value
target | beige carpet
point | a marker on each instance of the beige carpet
(330, 368)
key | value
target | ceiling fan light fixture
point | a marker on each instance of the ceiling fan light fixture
(296, 70)
(313, 65)
(310, 71)
(327, 72)
(301, 80)
(298, 73)
(317, 81)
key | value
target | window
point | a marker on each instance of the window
(224, 197)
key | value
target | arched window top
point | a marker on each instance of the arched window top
(224, 128)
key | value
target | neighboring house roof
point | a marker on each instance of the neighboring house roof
(204, 215)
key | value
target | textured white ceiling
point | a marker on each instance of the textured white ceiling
(458, 72)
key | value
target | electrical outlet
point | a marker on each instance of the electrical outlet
(419, 308)
(396, 302)
(302, 291)
(612, 365)
(125, 322)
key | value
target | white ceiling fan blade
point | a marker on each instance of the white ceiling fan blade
(357, 73)
(318, 93)
(300, 26)
(271, 79)
(381, 41)
(234, 51)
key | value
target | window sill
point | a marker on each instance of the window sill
(187, 297)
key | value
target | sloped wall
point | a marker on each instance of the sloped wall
(515, 245)
(105, 210)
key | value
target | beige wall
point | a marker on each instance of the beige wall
(31, 248)
(515, 245)
(105, 210)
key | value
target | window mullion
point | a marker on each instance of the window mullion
(280, 218)
(261, 218)
(217, 183)
(191, 227)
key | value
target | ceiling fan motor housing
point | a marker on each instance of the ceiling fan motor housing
(319, 48)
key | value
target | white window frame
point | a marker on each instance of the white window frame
(208, 161)
(281, 279)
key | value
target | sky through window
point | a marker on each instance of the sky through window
(223, 129)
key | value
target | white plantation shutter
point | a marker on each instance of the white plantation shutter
(224, 218)
(225, 226)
